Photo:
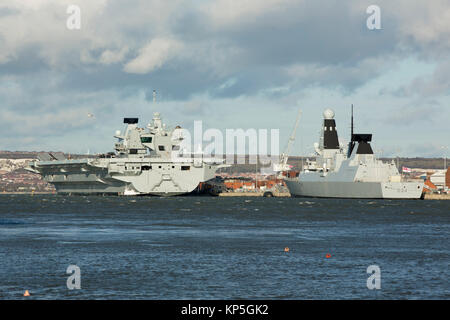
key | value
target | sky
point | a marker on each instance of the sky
(232, 64)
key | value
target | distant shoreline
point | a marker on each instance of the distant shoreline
(233, 194)
(28, 193)
(433, 163)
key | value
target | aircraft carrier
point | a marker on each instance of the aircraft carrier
(143, 164)
(350, 171)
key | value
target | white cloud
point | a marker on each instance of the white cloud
(113, 56)
(153, 55)
(427, 22)
(272, 52)
(340, 75)
(41, 25)
(231, 12)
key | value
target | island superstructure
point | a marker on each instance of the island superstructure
(351, 171)
(143, 164)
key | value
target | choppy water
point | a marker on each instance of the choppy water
(222, 248)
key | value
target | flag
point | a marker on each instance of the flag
(406, 169)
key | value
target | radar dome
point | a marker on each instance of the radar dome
(328, 114)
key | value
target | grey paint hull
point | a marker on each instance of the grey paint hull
(357, 190)
(89, 187)
(80, 177)
(101, 188)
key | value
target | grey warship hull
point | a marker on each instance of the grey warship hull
(78, 177)
(99, 177)
(355, 190)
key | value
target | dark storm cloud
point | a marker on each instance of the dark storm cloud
(332, 36)
(301, 33)
(51, 77)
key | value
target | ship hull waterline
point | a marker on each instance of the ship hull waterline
(355, 190)
(79, 179)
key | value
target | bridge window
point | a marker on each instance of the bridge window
(185, 168)
(146, 139)
(146, 168)
(161, 148)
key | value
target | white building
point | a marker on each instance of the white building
(438, 179)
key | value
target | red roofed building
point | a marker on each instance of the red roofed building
(447, 178)
(429, 186)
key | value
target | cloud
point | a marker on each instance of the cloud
(229, 13)
(423, 24)
(220, 59)
(437, 84)
(222, 38)
(423, 114)
(113, 56)
(343, 76)
(153, 55)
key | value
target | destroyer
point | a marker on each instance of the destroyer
(350, 172)
(142, 164)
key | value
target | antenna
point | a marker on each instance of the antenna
(351, 144)
(351, 138)
(154, 96)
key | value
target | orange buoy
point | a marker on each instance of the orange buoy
(286, 249)
(328, 256)
(26, 294)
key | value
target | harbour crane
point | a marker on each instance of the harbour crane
(282, 165)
